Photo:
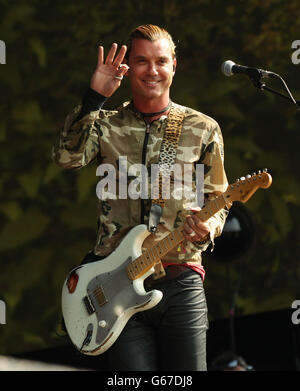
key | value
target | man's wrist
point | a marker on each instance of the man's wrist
(92, 100)
(204, 240)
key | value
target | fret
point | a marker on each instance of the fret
(174, 240)
(208, 206)
(147, 256)
(151, 254)
(217, 200)
(214, 206)
(159, 250)
(136, 266)
(148, 261)
(161, 247)
(217, 204)
(131, 271)
(203, 213)
(164, 245)
(142, 261)
(170, 241)
(163, 251)
(179, 234)
(174, 234)
(139, 265)
(134, 271)
(225, 203)
(156, 252)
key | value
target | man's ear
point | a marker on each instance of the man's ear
(174, 65)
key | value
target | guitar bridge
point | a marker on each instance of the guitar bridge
(88, 305)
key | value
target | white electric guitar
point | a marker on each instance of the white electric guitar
(99, 298)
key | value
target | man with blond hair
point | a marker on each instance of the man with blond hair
(172, 334)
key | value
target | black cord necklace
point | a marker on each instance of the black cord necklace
(157, 113)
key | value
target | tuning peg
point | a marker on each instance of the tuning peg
(254, 173)
(242, 178)
(248, 176)
(259, 172)
(265, 170)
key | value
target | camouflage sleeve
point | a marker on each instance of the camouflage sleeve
(215, 179)
(77, 143)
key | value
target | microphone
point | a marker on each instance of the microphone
(229, 68)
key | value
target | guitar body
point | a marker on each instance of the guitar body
(99, 298)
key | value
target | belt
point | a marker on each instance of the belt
(172, 272)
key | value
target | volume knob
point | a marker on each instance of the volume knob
(102, 323)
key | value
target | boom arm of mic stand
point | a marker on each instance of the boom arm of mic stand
(262, 86)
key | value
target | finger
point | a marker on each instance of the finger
(197, 221)
(120, 56)
(188, 229)
(111, 54)
(122, 71)
(191, 237)
(191, 222)
(100, 55)
(200, 224)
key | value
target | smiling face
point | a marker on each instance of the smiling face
(151, 72)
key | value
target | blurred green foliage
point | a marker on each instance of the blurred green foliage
(48, 216)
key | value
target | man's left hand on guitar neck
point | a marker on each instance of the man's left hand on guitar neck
(196, 230)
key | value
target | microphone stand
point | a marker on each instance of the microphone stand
(256, 80)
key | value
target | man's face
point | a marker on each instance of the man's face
(152, 68)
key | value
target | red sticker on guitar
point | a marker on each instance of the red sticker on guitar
(72, 282)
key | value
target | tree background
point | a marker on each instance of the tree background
(48, 215)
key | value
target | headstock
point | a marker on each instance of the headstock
(246, 186)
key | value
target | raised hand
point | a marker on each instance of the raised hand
(109, 74)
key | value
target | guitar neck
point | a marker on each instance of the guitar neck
(150, 257)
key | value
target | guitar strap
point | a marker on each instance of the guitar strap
(166, 161)
(165, 166)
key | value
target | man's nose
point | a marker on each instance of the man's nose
(152, 69)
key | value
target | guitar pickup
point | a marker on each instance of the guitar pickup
(99, 295)
(88, 305)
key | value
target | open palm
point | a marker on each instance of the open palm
(109, 73)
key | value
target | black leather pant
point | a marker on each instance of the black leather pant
(170, 336)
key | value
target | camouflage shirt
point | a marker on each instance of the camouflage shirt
(110, 134)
